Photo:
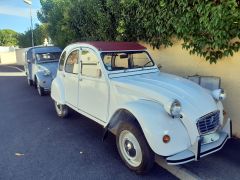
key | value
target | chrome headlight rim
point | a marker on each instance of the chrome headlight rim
(219, 94)
(45, 71)
(174, 108)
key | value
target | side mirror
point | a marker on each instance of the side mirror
(159, 66)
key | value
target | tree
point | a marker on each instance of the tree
(8, 37)
(70, 21)
(208, 28)
(39, 33)
(55, 14)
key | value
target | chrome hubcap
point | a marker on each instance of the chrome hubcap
(58, 108)
(39, 88)
(130, 148)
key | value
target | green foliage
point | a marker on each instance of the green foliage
(40, 32)
(208, 28)
(80, 20)
(8, 37)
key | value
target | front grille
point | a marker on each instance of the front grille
(208, 123)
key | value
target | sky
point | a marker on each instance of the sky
(15, 14)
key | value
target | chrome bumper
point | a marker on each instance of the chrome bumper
(199, 150)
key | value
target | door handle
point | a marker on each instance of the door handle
(63, 75)
(80, 79)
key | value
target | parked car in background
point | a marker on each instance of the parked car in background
(152, 113)
(41, 66)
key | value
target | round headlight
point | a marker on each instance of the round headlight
(219, 94)
(46, 72)
(174, 108)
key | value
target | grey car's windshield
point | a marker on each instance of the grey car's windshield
(47, 56)
(126, 60)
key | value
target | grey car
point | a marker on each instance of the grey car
(41, 67)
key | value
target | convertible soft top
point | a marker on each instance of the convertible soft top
(115, 46)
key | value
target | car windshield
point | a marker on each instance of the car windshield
(126, 60)
(47, 56)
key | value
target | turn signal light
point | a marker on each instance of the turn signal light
(166, 138)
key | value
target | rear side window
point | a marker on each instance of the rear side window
(61, 62)
(71, 65)
(89, 63)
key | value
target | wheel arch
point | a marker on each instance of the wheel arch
(154, 123)
(57, 91)
(120, 115)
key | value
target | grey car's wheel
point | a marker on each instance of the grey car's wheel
(30, 82)
(61, 109)
(40, 90)
(133, 147)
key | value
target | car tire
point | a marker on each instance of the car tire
(30, 82)
(40, 89)
(61, 109)
(133, 147)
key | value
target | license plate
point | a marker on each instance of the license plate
(209, 138)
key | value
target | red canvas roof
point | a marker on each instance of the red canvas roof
(115, 46)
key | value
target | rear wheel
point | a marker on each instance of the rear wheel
(133, 147)
(62, 110)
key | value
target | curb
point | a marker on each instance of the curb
(178, 171)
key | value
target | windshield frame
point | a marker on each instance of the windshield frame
(49, 60)
(102, 54)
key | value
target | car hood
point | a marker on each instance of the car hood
(162, 87)
(51, 66)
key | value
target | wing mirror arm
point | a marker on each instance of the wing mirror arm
(159, 66)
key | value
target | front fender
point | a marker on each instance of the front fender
(155, 123)
(57, 91)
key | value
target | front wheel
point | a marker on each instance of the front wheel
(62, 110)
(40, 89)
(133, 148)
(30, 82)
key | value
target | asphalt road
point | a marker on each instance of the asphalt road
(36, 144)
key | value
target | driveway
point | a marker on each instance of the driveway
(36, 144)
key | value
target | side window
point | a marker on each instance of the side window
(61, 61)
(90, 66)
(71, 65)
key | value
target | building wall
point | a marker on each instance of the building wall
(177, 61)
(20, 56)
(7, 57)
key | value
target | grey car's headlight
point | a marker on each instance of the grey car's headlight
(219, 94)
(46, 72)
(173, 108)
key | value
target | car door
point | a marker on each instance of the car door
(93, 88)
(70, 78)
